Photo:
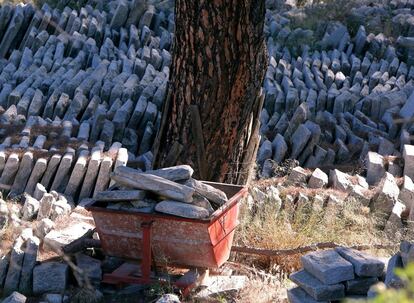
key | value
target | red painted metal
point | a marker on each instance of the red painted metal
(173, 240)
(146, 251)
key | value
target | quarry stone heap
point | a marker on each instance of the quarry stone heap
(331, 102)
(77, 173)
(81, 95)
(107, 82)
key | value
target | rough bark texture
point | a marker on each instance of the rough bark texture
(210, 117)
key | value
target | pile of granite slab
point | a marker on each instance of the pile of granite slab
(326, 108)
(333, 275)
(81, 90)
(77, 172)
(397, 13)
(20, 271)
(72, 77)
(42, 225)
(332, 102)
(102, 68)
(23, 277)
(100, 72)
(377, 165)
(383, 20)
(170, 190)
(34, 233)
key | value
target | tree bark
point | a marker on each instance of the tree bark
(210, 115)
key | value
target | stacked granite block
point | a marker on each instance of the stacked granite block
(333, 275)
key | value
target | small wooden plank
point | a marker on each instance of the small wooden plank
(174, 154)
(252, 144)
(303, 249)
(163, 128)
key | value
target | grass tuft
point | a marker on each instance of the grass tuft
(294, 226)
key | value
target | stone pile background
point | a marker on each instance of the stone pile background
(335, 104)
(78, 173)
(85, 68)
(76, 87)
(99, 73)
(81, 94)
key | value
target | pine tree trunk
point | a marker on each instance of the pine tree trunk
(210, 116)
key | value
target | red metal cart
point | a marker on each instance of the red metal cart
(166, 240)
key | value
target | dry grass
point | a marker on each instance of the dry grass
(260, 287)
(10, 232)
(255, 290)
(7, 236)
(269, 228)
(263, 183)
(260, 291)
(84, 295)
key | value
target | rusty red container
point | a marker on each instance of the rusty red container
(174, 240)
